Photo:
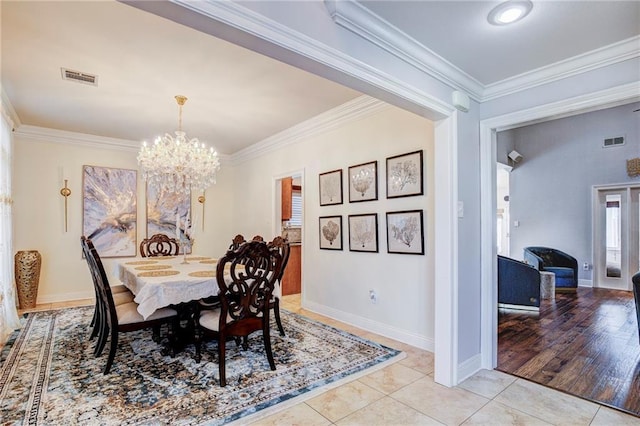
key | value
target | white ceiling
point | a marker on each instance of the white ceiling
(237, 97)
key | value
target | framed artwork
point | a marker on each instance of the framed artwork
(331, 188)
(109, 210)
(331, 232)
(363, 182)
(363, 232)
(405, 175)
(405, 232)
(169, 213)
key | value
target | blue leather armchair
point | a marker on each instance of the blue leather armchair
(518, 284)
(563, 265)
(636, 295)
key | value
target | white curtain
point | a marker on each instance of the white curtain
(9, 320)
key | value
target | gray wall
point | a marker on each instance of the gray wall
(551, 188)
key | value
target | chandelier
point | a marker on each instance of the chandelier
(178, 164)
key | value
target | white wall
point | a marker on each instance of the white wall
(39, 211)
(551, 187)
(337, 283)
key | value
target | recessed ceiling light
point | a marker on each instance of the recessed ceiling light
(509, 12)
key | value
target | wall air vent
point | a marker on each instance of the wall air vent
(609, 142)
(79, 77)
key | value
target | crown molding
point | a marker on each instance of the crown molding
(240, 17)
(366, 24)
(602, 57)
(348, 112)
(44, 134)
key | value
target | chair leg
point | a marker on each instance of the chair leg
(155, 336)
(276, 312)
(197, 341)
(95, 323)
(245, 342)
(222, 343)
(266, 336)
(103, 335)
(112, 351)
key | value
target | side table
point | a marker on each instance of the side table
(547, 285)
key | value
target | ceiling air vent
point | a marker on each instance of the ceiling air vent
(79, 77)
(609, 142)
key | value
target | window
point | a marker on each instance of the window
(296, 208)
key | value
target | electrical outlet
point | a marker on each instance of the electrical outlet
(586, 266)
(373, 296)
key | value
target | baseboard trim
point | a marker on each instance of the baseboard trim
(469, 367)
(367, 324)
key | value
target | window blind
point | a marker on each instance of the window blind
(296, 209)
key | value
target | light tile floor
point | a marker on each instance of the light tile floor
(405, 393)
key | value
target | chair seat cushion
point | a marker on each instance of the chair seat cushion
(123, 297)
(211, 319)
(564, 276)
(128, 313)
(119, 289)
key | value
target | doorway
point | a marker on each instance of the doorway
(288, 222)
(616, 244)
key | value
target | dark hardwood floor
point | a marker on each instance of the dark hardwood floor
(583, 343)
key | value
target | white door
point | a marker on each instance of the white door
(616, 240)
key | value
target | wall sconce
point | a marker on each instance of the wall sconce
(65, 192)
(201, 200)
(514, 157)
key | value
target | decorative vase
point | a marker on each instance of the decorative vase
(27, 271)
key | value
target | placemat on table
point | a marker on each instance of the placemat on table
(152, 267)
(210, 261)
(163, 273)
(142, 262)
(198, 257)
(203, 274)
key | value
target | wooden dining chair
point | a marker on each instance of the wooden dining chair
(237, 241)
(282, 245)
(159, 245)
(121, 318)
(121, 294)
(245, 278)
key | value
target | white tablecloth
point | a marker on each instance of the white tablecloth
(154, 292)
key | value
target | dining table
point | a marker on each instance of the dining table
(162, 281)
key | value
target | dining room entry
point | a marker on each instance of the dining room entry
(290, 221)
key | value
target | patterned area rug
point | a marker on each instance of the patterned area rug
(49, 374)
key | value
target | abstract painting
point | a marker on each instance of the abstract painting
(331, 188)
(405, 232)
(331, 232)
(404, 175)
(363, 232)
(109, 210)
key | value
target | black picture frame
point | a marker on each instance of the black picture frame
(363, 182)
(330, 228)
(405, 175)
(405, 232)
(363, 232)
(330, 186)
